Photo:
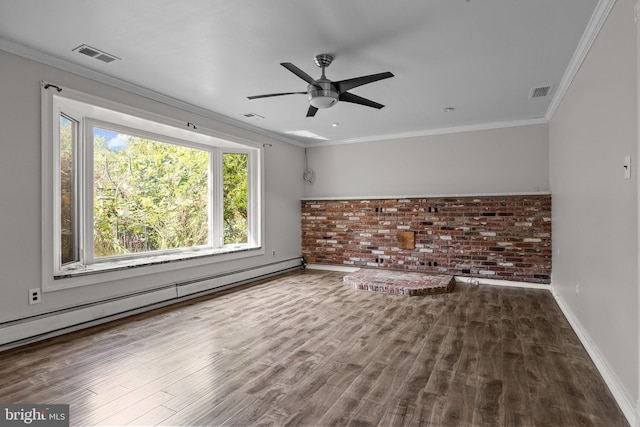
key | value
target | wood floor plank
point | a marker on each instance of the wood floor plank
(210, 387)
(133, 411)
(304, 349)
(515, 386)
(488, 407)
(155, 416)
(455, 403)
(399, 412)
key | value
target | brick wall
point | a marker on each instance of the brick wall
(496, 237)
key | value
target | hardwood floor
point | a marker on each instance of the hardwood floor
(306, 349)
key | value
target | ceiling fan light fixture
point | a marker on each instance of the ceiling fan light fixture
(323, 98)
(321, 102)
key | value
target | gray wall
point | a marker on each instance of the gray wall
(504, 160)
(594, 208)
(20, 252)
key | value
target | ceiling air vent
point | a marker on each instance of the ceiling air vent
(95, 53)
(538, 92)
(250, 115)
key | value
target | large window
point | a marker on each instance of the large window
(148, 195)
(130, 191)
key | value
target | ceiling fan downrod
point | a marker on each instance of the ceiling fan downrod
(323, 94)
(323, 60)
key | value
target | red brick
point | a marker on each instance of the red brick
(495, 239)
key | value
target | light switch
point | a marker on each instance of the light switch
(627, 167)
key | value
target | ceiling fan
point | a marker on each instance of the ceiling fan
(323, 93)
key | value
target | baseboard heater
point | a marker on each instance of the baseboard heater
(34, 328)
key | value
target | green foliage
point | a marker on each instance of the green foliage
(149, 196)
(236, 178)
(67, 241)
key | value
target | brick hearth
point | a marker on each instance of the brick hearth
(400, 282)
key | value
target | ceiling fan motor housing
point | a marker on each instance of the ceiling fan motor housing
(325, 97)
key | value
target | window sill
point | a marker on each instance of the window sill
(120, 269)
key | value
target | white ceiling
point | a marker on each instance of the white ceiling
(481, 57)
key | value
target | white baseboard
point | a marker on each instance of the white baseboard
(495, 282)
(620, 394)
(42, 325)
(459, 279)
(35, 328)
(328, 267)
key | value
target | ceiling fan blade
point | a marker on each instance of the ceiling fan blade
(355, 99)
(298, 72)
(275, 94)
(345, 85)
(311, 111)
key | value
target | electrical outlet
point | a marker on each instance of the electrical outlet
(577, 289)
(34, 296)
(273, 253)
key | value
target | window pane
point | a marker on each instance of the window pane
(236, 178)
(148, 195)
(68, 235)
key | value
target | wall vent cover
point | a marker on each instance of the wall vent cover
(95, 53)
(539, 92)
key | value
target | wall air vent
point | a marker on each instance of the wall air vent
(539, 92)
(95, 53)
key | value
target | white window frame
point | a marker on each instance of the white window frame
(89, 110)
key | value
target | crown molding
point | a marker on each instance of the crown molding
(46, 59)
(427, 196)
(430, 132)
(596, 22)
